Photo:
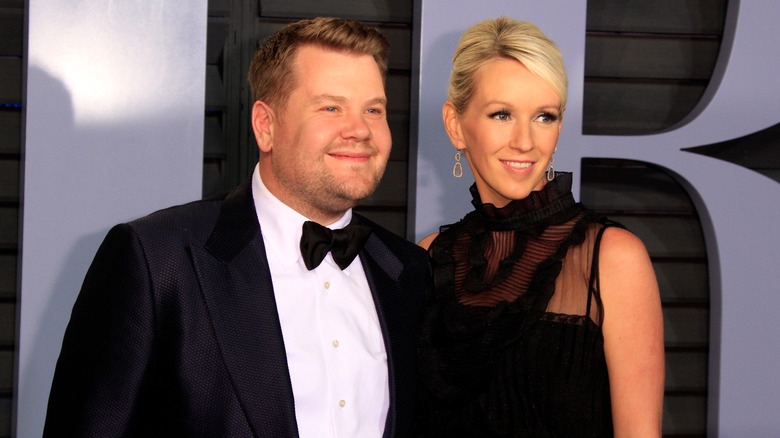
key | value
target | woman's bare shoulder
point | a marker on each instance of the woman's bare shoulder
(426, 241)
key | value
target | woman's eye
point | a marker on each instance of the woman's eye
(548, 117)
(501, 116)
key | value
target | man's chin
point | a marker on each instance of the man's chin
(353, 198)
(356, 190)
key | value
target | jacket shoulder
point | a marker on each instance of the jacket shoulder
(191, 221)
(405, 250)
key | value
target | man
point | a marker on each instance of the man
(215, 318)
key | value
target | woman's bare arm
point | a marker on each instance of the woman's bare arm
(633, 334)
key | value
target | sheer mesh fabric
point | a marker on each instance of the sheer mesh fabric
(572, 295)
(511, 342)
(571, 287)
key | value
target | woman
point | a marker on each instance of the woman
(545, 318)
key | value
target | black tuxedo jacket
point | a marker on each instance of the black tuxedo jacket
(175, 331)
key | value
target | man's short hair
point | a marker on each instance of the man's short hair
(271, 75)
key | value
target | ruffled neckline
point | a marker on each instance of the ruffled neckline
(471, 318)
(554, 198)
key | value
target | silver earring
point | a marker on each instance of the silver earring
(457, 170)
(550, 170)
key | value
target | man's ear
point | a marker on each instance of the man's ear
(263, 118)
(452, 125)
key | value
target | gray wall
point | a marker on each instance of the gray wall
(114, 130)
(738, 207)
(113, 133)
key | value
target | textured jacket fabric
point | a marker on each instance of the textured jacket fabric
(175, 331)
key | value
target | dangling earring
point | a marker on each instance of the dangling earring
(457, 170)
(550, 170)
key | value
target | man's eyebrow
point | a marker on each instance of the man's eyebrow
(322, 98)
(378, 100)
(329, 98)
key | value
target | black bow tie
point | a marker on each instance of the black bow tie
(344, 244)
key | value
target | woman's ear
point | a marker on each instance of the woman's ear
(560, 125)
(263, 125)
(452, 125)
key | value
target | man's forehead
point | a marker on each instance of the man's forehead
(310, 50)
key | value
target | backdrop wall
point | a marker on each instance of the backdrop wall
(114, 120)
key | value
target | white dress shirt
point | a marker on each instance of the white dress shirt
(335, 351)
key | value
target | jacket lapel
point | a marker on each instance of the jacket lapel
(237, 288)
(384, 271)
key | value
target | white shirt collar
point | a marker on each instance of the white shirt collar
(281, 225)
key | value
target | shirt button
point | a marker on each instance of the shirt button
(327, 285)
(342, 403)
(335, 343)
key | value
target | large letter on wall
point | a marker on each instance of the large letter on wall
(114, 130)
(740, 209)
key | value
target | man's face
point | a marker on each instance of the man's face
(329, 145)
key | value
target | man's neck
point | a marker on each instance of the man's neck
(289, 199)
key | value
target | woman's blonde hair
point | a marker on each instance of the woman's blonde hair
(507, 38)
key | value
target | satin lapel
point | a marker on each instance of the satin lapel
(383, 272)
(236, 283)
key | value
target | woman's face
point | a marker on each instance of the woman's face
(509, 130)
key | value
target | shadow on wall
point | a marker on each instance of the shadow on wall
(80, 178)
(436, 154)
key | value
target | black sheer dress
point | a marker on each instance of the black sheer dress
(511, 344)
